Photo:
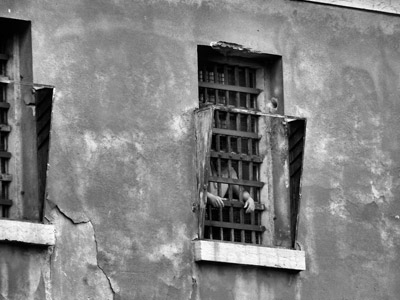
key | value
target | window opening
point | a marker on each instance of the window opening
(234, 164)
(25, 115)
(246, 149)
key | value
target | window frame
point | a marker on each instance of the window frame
(28, 116)
(213, 250)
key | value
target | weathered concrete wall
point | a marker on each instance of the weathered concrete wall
(24, 272)
(122, 177)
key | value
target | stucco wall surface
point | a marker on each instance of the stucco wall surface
(122, 174)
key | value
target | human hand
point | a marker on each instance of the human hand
(215, 201)
(249, 204)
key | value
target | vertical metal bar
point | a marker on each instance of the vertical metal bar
(238, 124)
(236, 72)
(226, 82)
(226, 74)
(240, 176)
(220, 194)
(247, 80)
(215, 74)
(210, 217)
(230, 191)
(219, 174)
(217, 119)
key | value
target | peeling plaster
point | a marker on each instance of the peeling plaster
(86, 282)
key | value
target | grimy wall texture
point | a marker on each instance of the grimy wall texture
(122, 176)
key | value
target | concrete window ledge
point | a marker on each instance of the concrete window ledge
(225, 252)
(27, 232)
(385, 6)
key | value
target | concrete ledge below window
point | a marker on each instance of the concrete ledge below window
(385, 6)
(27, 232)
(233, 253)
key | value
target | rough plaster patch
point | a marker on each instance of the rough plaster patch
(107, 141)
(300, 111)
(179, 127)
(337, 205)
(81, 249)
(75, 27)
(4, 281)
(311, 70)
(322, 149)
(310, 240)
(173, 249)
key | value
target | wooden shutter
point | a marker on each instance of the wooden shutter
(297, 133)
(283, 148)
(203, 131)
(44, 102)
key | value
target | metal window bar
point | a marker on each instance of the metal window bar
(5, 203)
(235, 147)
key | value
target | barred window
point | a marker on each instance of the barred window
(25, 113)
(234, 163)
(245, 150)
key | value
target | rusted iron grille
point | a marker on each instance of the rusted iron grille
(5, 178)
(234, 157)
(227, 85)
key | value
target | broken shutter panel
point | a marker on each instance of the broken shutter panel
(27, 161)
(297, 132)
(280, 180)
(203, 131)
(44, 102)
(284, 148)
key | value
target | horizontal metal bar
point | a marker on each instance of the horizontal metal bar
(5, 105)
(235, 156)
(226, 87)
(242, 182)
(234, 225)
(4, 79)
(6, 202)
(245, 134)
(4, 56)
(5, 177)
(5, 154)
(237, 203)
(5, 128)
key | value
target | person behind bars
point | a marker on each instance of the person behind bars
(216, 199)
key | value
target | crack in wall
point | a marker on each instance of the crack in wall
(64, 214)
(97, 261)
(70, 218)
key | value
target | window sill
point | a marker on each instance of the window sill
(27, 232)
(224, 252)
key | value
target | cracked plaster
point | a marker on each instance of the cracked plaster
(75, 262)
